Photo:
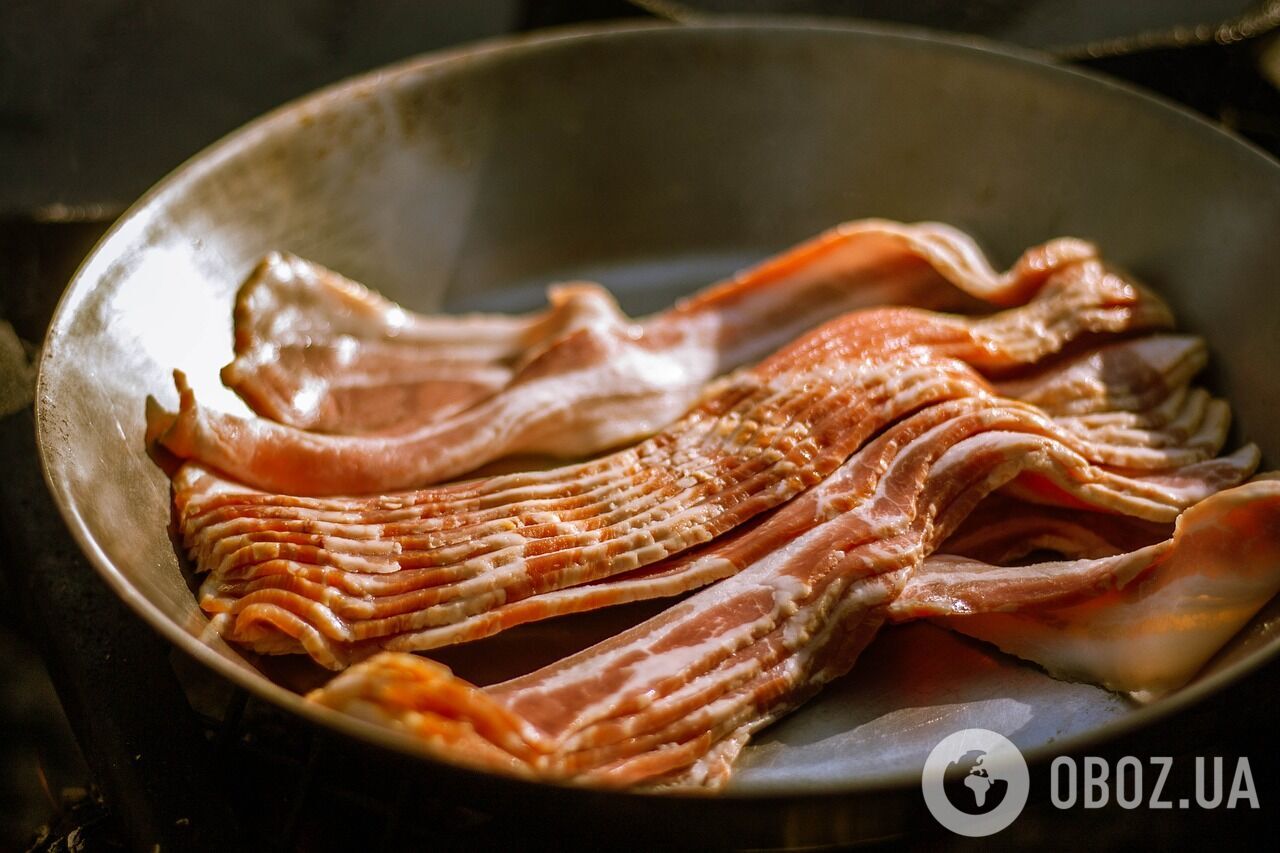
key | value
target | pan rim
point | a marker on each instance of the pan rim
(505, 47)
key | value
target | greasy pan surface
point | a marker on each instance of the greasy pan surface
(656, 159)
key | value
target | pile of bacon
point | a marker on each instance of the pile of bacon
(813, 444)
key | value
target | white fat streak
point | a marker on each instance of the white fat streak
(653, 542)
(316, 628)
(647, 544)
(491, 573)
(642, 545)
(1086, 381)
(229, 550)
(769, 572)
(343, 535)
(1151, 454)
(764, 574)
(634, 374)
(410, 508)
(582, 737)
(647, 553)
(1155, 497)
(263, 551)
(910, 386)
(511, 488)
(950, 585)
(734, 707)
(1157, 633)
(494, 571)
(561, 601)
(1170, 423)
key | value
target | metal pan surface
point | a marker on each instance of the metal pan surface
(656, 159)
(1078, 29)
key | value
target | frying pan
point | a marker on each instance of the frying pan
(1076, 29)
(656, 159)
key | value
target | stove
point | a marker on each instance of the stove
(179, 759)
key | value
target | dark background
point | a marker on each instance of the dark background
(101, 98)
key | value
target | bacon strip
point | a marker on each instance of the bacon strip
(1004, 531)
(533, 413)
(525, 534)
(333, 575)
(317, 351)
(1082, 620)
(673, 700)
(1129, 376)
(809, 494)
(250, 562)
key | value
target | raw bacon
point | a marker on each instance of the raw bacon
(728, 553)
(317, 351)
(1046, 478)
(342, 576)
(673, 700)
(1146, 638)
(1004, 531)
(539, 412)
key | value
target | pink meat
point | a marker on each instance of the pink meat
(541, 411)
(342, 577)
(317, 351)
(672, 700)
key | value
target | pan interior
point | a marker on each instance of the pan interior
(655, 160)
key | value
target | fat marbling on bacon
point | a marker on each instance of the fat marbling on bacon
(672, 701)
(578, 385)
(893, 464)
(317, 351)
(343, 577)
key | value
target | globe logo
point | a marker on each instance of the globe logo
(975, 782)
(970, 787)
